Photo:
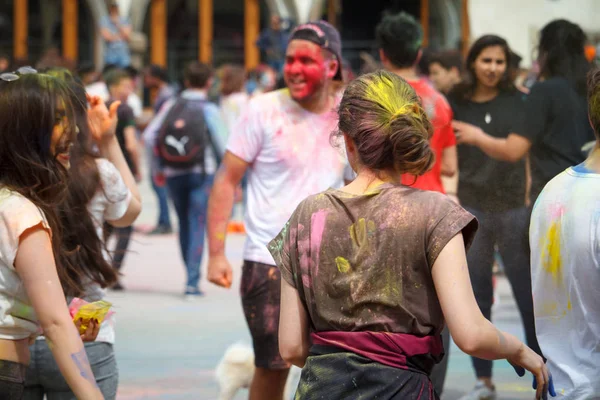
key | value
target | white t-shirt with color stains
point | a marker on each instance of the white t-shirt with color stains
(565, 272)
(110, 203)
(290, 157)
(17, 214)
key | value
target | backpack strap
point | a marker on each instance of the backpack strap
(209, 133)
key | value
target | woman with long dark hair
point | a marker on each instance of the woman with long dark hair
(100, 189)
(494, 191)
(36, 133)
(556, 126)
(372, 272)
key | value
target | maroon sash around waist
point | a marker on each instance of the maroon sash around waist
(392, 349)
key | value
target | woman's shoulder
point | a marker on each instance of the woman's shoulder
(424, 202)
(18, 213)
(107, 171)
(12, 202)
(553, 86)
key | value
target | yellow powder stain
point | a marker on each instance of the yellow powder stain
(391, 287)
(220, 236)
(358, 232)
(569, 307)
(371, 226)
(549, 309)
(342, 264)
(551, 258)
(395, 100)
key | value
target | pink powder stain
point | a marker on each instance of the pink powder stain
(556, 211)
(317, 223)
(306, 281)
(304, 253)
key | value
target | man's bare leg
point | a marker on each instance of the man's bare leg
(268, 384)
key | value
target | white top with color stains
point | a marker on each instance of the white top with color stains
(565, 271)
(17, 215)
(290, 157)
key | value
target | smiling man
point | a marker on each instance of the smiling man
(283, 141)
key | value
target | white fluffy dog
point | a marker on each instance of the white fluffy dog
(236, 369)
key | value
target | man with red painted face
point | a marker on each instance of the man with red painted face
(283, 140)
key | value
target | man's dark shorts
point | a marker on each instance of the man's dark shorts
(261, 293)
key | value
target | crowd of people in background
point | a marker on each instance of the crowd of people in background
(366, 248)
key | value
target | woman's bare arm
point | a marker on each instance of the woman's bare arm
(294, 334)
(471, 331)
(35, 265)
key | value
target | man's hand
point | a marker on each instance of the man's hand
(219, 271)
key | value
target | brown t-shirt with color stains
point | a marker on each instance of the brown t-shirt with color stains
(363, 262)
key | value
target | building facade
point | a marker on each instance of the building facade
(170, 32)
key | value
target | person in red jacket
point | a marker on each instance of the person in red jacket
(399, 38)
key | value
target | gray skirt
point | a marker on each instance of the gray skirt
(333, 374)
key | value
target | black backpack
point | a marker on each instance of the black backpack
(184, 135)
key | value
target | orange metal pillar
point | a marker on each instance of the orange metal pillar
(252, 31)
(332, 12)
(158, 32)
(20, 14)
(425, 21)
(70, 14)
(465, 27)
(205, 30)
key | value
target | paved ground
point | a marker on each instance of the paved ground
(167, 348)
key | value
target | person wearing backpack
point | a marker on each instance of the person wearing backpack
(189, 136)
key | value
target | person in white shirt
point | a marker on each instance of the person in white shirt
(283, 141)
(565, 269)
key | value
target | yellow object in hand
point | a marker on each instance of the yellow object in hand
(96, 310)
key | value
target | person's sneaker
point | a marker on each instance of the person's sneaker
(193, 293)
(161, 230)
(480, 392)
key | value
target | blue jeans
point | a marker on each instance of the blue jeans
(163, 205)
(45, 379)
(189, 193)
(161, 195)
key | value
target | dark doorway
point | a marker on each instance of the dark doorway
(358, 20)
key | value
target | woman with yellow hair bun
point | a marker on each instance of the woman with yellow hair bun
(372, 272)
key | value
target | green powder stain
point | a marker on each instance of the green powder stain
(342, 264)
